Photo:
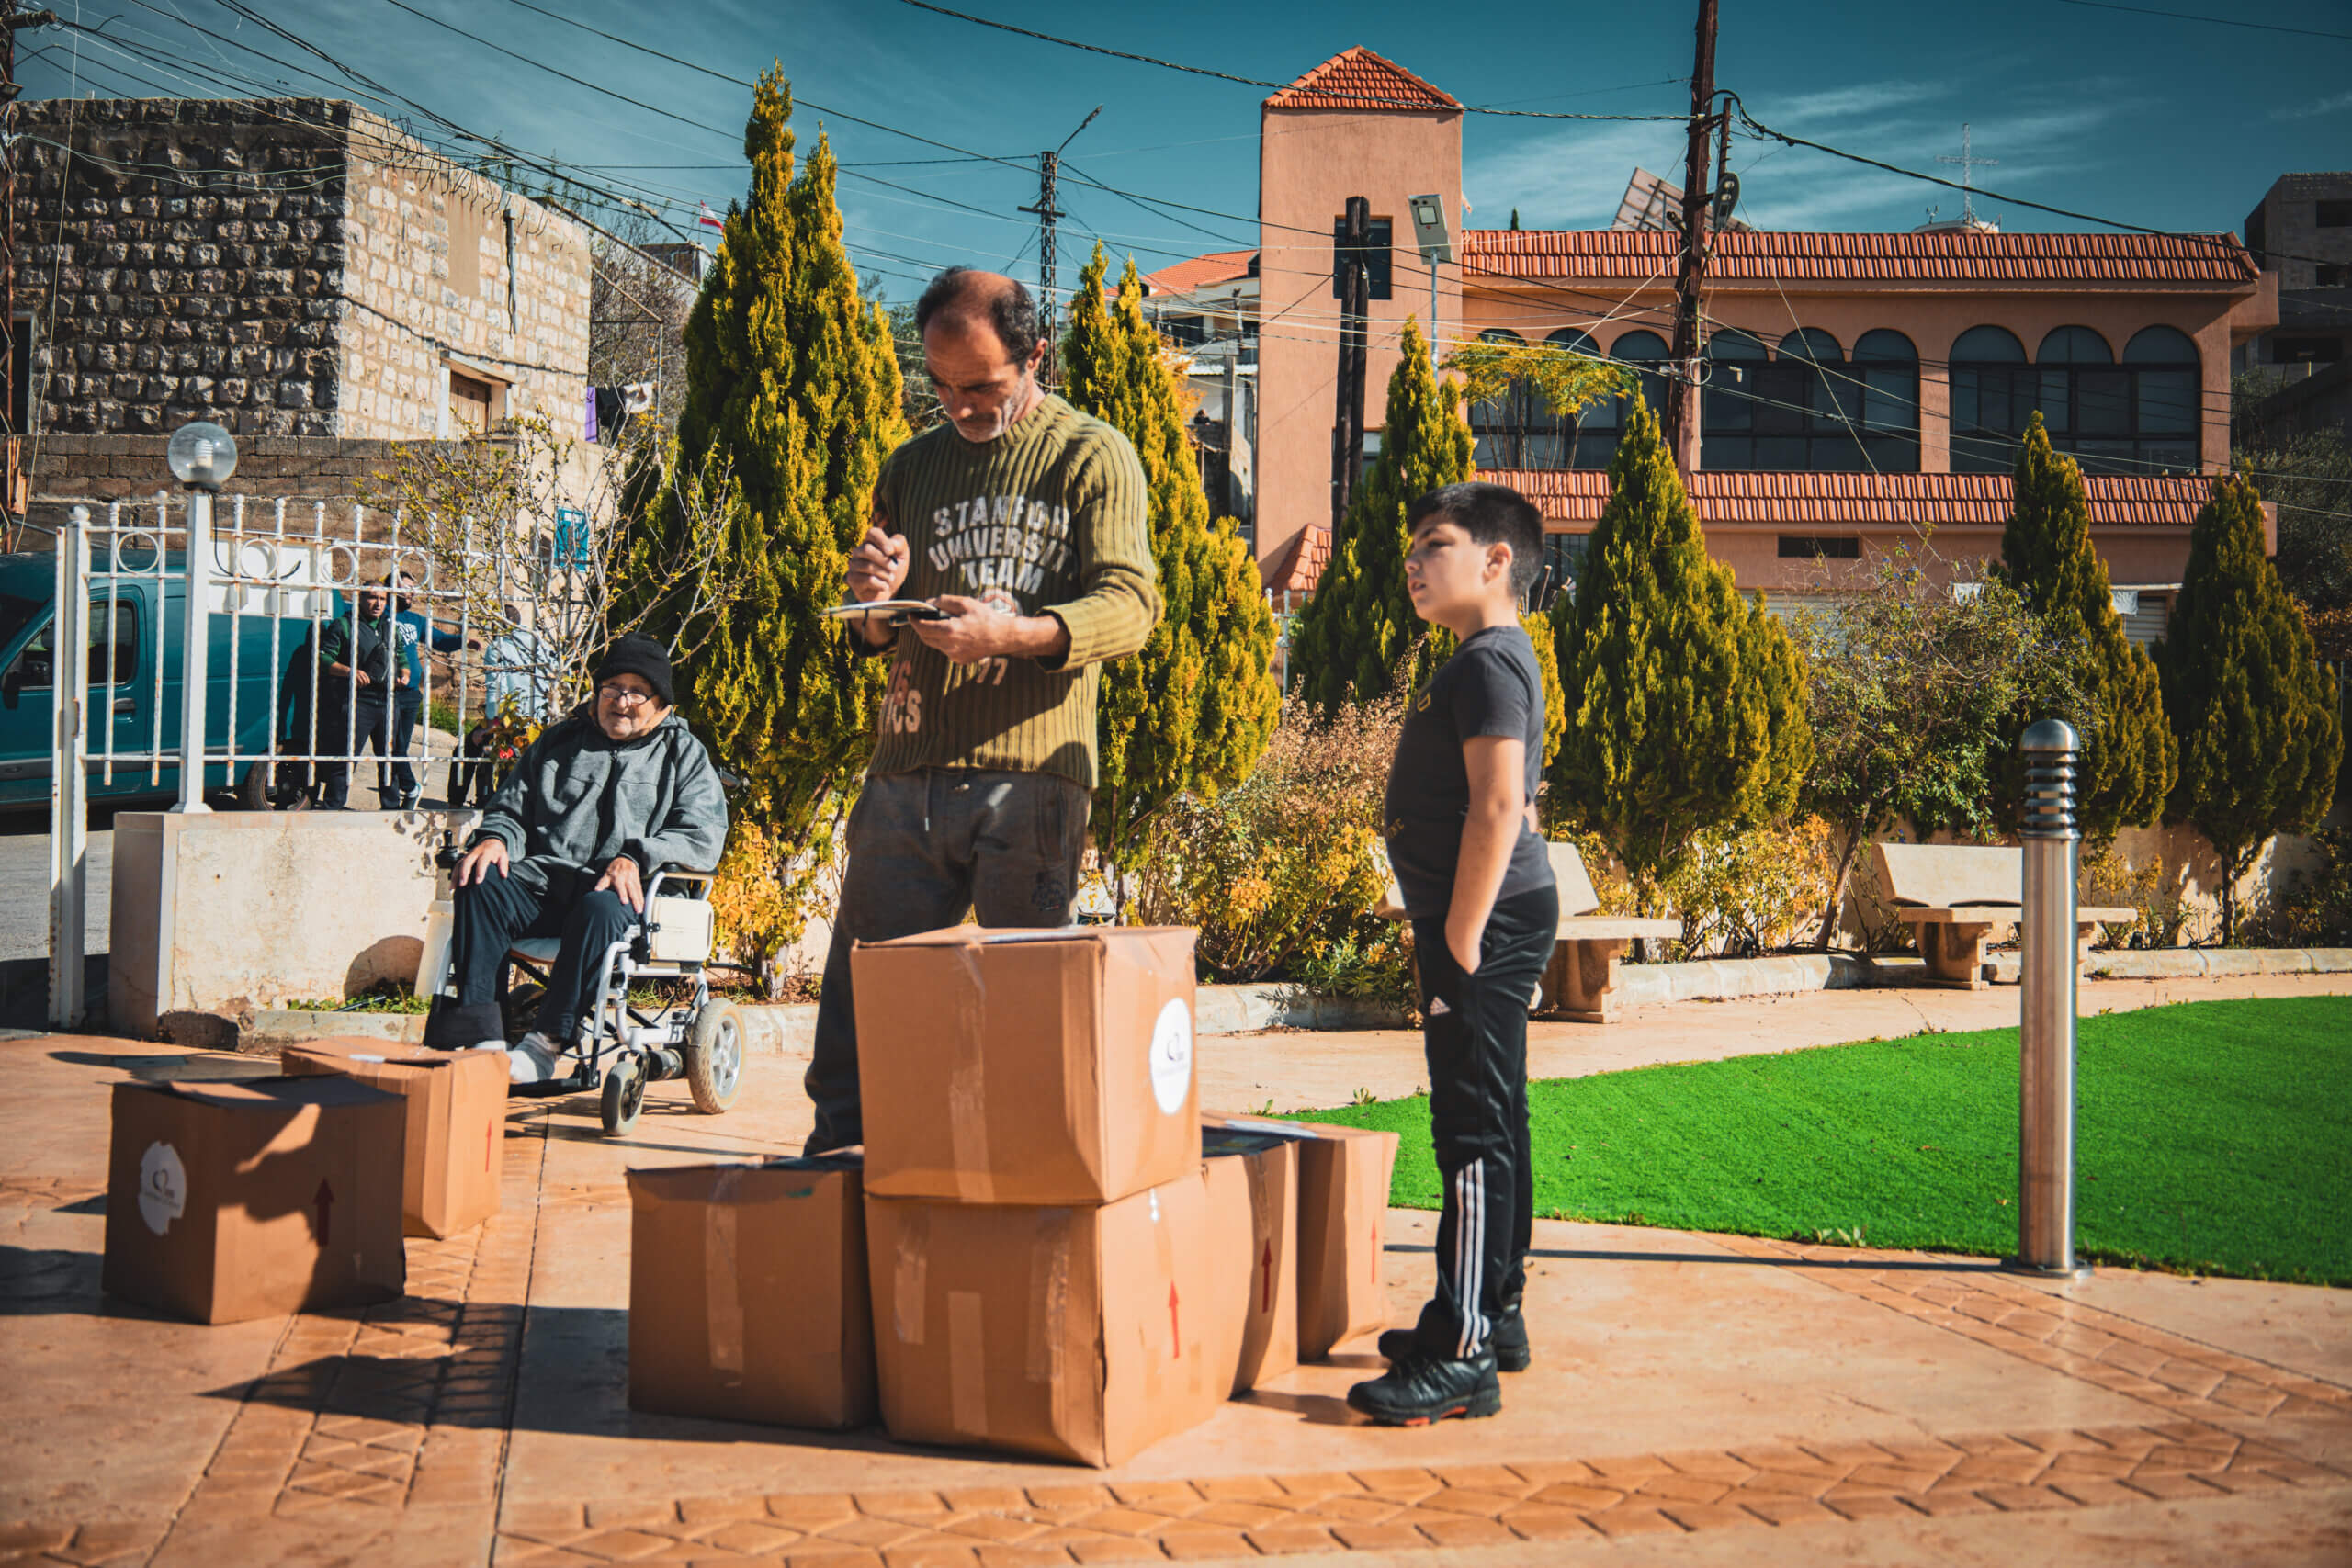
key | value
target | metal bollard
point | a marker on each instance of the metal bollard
(2047, 966)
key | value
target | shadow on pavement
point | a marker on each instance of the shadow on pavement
(1876, 1265)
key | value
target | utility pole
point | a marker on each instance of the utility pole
(1682, 389)
(1049, 166)
(1351, 281)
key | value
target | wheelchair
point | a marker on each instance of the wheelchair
(624, 1046)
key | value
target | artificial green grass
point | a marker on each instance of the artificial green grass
(2211, 1137)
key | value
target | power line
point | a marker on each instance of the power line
(1369, 99)
(2217, 21)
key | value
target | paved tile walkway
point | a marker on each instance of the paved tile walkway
(1695, 1399)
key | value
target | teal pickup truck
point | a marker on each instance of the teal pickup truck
(142, 685)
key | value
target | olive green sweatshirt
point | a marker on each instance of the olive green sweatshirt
(1052, 514)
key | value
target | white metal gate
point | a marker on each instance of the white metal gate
(211, 616)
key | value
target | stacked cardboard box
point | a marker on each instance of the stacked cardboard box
(747, 1293)
(1343, 1182)
(1043, 1247)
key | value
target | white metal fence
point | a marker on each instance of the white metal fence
(186, 654)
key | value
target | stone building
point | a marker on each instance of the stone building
(298, 270)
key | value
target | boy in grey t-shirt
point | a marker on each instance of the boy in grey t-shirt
(1459, 818)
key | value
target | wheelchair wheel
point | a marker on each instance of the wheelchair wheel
(714, 1057)
(624, 1095)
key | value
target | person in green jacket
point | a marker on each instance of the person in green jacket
(1025, 521)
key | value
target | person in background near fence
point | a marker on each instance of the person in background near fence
(357, 672)
(595, 806)
(518, 688)
(1477, 884)
(415, 634)
(1024, 521)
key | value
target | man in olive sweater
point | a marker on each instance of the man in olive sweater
(1024, 521)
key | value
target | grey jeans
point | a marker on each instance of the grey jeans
(924, 847)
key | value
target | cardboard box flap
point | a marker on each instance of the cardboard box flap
(1231, 1140)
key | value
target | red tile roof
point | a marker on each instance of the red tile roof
(1766, 256)
(1217, 267)
(1300, 565)
(1575, 496)
(1360, 79)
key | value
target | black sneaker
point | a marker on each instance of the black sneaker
(1509, 1342)
(1420, 1389)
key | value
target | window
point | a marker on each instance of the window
(1991, 396)
(1515, 430)
(1375, 255)
(1808, 407)
(2138, 416)
(1832, 546)
(1731, 398)
(469, 404)
(1185, 332)
(2333, 214)
(1647, 352)
(2334, 275)
(35, 667)
(1563, 563)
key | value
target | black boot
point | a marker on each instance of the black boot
(1509, 1342)
(1420, 1389)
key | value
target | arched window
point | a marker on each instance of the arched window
(2167, 395)
(1647, 352)
(1810, 408)
(1992, 393)
(1731, 400)
(1589, 434)
(1498, 424)
(1888, 368)
(2137, 417)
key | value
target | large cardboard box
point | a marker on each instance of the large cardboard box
(747, 1293)
(235, 1201)
(1254, 1200)
(456, 1122)
(1083, 1333)
(1027, 1066)
(1344, 1175)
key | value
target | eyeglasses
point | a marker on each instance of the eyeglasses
(624, 696)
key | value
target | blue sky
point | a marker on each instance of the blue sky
(2163, 122)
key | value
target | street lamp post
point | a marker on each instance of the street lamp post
(201, 457)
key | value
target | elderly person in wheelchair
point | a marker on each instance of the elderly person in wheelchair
(600, 803)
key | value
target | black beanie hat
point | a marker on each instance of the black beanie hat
(642, 656)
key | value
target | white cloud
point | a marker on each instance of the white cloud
(2332, 104)
(1576, 177)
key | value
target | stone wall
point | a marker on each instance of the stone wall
(299, 470)
(195, 251)
(448, 271)
(288, 267)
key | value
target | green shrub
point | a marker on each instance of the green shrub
(1286, 867)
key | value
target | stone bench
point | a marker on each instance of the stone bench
(1581, 982)
(1955, 895)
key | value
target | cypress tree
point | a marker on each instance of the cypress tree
(1192, 712)
(2128, 758)
(792, 380)
(1360, 624)
(2253, 712)
(1685, 705)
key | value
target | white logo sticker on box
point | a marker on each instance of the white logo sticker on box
(163, 1186)
(1171, 1056)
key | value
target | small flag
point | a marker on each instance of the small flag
(710, 219)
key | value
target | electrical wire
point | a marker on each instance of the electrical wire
(2217, 21)
(1368, 99)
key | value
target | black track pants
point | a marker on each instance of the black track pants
(1474, 1035)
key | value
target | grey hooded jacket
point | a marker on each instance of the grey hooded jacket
(577, 798)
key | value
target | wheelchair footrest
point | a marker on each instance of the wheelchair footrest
(584, 1077)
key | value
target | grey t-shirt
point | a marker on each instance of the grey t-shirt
(1492, 685)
